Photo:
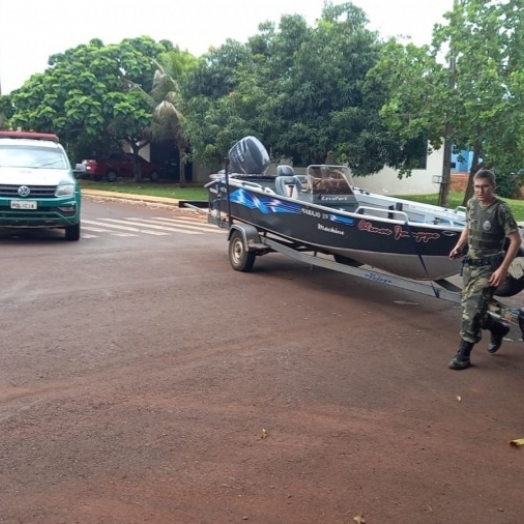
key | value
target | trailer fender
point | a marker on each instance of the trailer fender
(250, 237)
(245, 245)
(249, 233)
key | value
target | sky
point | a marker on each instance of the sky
(33, 30)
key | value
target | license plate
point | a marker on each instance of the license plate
(23, 204)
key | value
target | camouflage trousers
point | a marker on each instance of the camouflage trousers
(476, 295)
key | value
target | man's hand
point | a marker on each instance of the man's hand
(498, 277)
(455, 253)
(459, 248)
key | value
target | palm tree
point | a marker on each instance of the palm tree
(168, 121)
(165, 102)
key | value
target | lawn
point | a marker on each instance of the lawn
(455, 200)
(148, 188)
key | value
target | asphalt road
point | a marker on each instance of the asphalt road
(143, 380)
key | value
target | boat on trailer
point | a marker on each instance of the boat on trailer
(324, 211)
(321, 218)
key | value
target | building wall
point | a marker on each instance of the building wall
(200, 173)
(144, 151)
(421, 181)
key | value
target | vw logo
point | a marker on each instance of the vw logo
(24, 191)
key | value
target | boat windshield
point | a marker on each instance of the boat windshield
(330, 183)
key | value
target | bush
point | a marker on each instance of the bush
(508, 185)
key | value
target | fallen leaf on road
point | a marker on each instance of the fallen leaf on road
(264, 433)
(517, 442)
(359, 519)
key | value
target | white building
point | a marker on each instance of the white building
(421, 182)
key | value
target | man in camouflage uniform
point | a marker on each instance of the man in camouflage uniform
(489, 221)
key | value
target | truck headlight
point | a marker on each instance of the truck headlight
(63, 190)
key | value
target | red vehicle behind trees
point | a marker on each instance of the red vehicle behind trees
(121, 165)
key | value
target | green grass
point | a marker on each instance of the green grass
(455, 200)
(149, 188)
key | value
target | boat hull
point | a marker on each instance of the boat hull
(415, 251)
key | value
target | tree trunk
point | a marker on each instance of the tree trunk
(137, 168)
(181, 167)
(443, 199)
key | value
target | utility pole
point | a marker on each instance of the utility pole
(445, 183)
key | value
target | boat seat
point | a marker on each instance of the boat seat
(288, 186)
(284, 170)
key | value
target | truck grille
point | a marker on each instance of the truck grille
(11, 190)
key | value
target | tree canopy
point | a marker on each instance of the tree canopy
(82, 95)
(164, 100)
(330, 92)
(301, 90)
(478, 103)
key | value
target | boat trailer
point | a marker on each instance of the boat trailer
(246, 242)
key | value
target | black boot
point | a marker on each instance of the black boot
(461, 359)
(498, 331)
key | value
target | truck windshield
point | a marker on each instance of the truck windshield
(32, 157)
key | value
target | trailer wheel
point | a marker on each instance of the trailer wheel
(510, 287)
(347, 261)
(240, 257)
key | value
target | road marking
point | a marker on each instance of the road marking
(114, 233)
(162, 228)
(124, 228)
(94, 229)
(189, 225)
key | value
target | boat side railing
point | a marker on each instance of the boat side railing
(389, 212)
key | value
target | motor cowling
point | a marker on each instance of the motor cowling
(248, 156)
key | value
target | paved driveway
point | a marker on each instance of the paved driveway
(143, 380)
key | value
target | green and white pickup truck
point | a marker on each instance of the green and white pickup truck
(38, 187)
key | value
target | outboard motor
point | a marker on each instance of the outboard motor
(249, 156)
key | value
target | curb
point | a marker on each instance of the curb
(131, 197)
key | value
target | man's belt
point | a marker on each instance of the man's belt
(478, 262)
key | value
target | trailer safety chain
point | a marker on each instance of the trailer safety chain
(436, 292)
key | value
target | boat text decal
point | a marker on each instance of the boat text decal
(378, 278)
(311, 212)
(420, 236)
(329, 216)
(330, 229)
(364, 225)
(399, 232)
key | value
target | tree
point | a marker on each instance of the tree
(301, 90)
(213, 123)
(483, 103)
(6, 109)
(164, 100)
(83, 94)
